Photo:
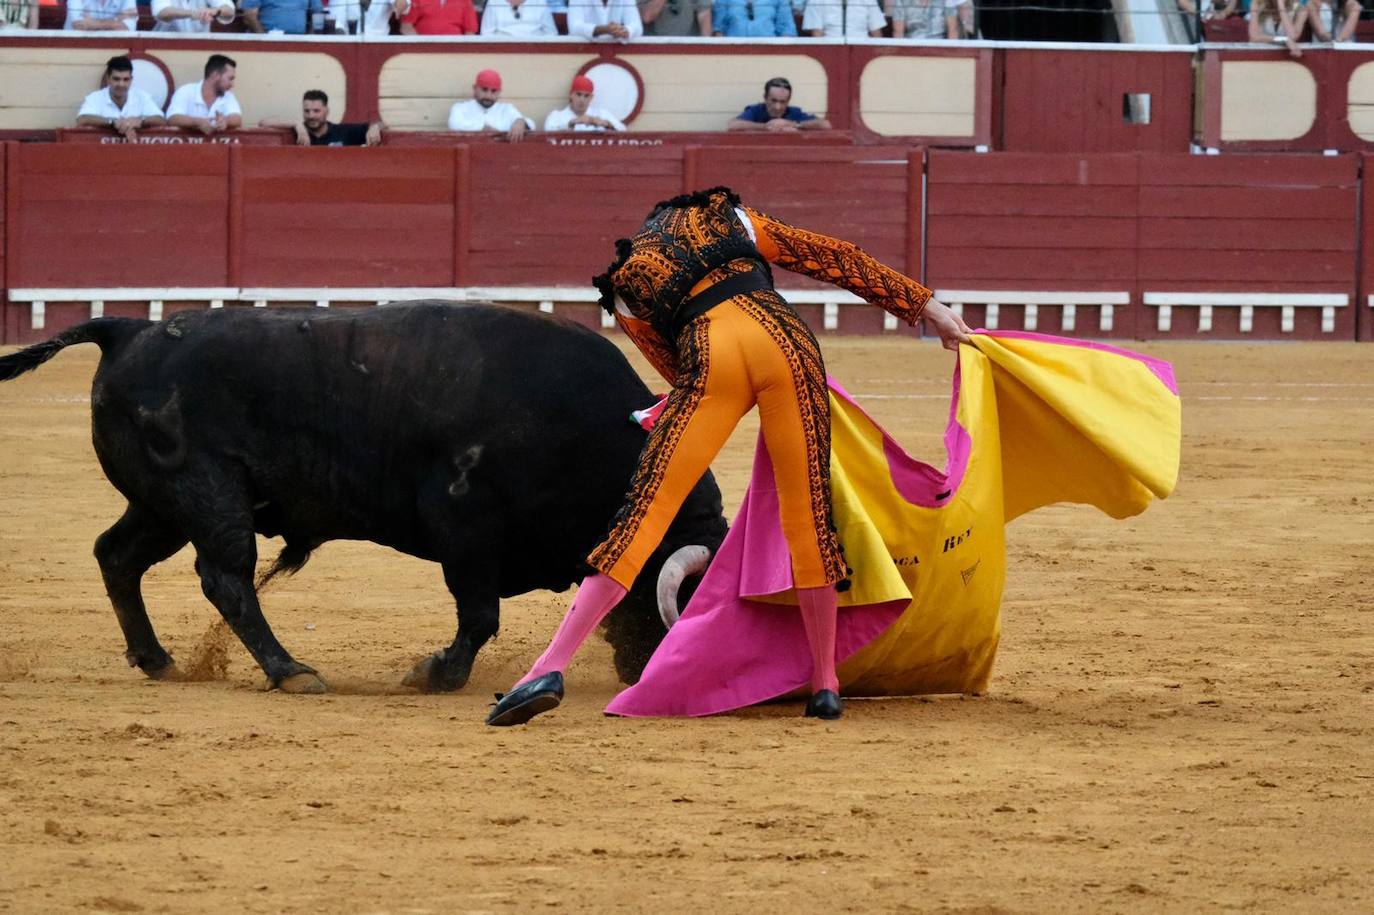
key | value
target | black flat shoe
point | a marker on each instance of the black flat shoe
(825, 705)
(524, 702)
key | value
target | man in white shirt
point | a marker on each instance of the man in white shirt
(208, 106)
(375, 21)
(486, 113)
(191, 16)
(580, 115)
(614, 19)
(518, 19)
(102, 15)
(843, 19)
(119, 105)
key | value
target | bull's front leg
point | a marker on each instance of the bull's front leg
(479, 616)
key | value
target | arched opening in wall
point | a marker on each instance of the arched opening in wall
(1047, 20)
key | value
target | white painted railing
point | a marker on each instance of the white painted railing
(1068, 303)
(1207, 302)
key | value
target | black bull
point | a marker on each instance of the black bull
(495, 442)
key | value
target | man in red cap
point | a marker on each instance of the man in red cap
(440, 17)
(580, 115)
(486, 113)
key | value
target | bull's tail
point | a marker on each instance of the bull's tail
(290, 560)
(109, 333)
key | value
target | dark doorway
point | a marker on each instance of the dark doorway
(1047, 20)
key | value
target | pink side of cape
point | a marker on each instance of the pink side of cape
(728, 651)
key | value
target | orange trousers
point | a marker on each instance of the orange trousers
(751, 349)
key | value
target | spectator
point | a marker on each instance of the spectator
(753, 19)
(208, 106)
(119, 105)
(844, 19)
(486, 113)
(613, 19)
(580, 115)
(439, 17)
(289, 16)
(775, 112)
(518, 19)
(315, 128)
(930, 19)
(191, 15)
(18, 15)
(1212, 9)
(102, 15)
(1324, 21)
(1277, 21)
(675, 18)
(376, 19)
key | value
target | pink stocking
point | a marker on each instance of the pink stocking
(819, 607)
(596, 596)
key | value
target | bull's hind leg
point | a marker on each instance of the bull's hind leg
(136, 543)
(228, 583)
(479, 616)
(225, 556)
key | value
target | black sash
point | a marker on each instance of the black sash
(710, 297)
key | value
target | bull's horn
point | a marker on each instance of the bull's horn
(690, 560)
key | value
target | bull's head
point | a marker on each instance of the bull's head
(669, 579)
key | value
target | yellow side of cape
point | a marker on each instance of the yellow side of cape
(1048, 422)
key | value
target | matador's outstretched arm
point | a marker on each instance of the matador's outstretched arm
(839, 262)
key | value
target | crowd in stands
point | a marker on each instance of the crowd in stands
(1291, 23)
(608, 20)
(209, 107)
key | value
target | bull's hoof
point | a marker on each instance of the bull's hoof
(308, 684)
(168, 672)
(436, 674)
(158, 666)
(418, 678)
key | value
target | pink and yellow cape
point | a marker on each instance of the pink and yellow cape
(1033, 420)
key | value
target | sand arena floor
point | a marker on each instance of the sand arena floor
(1180, 721)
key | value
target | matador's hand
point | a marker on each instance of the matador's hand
(940, 318)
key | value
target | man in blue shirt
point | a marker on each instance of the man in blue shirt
(774, 113)
(288, 16)
(753, 18)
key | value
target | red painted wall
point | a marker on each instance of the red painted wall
(1253, 224)
(496, 214)
(1071, 101)
(344, 217)
(1364, 324)
(117, 216)
(546, 215)
(6, 150)
(1033, 222)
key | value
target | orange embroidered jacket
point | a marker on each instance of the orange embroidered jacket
(690, 242)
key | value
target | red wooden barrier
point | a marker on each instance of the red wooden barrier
(1072, 101)
(1364, 289)
(1034, 226)
(175, 136)
(345, 217)
(117, 216)
(544, 215)
(1034, 223)
(6, 150)
(1253, 224)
